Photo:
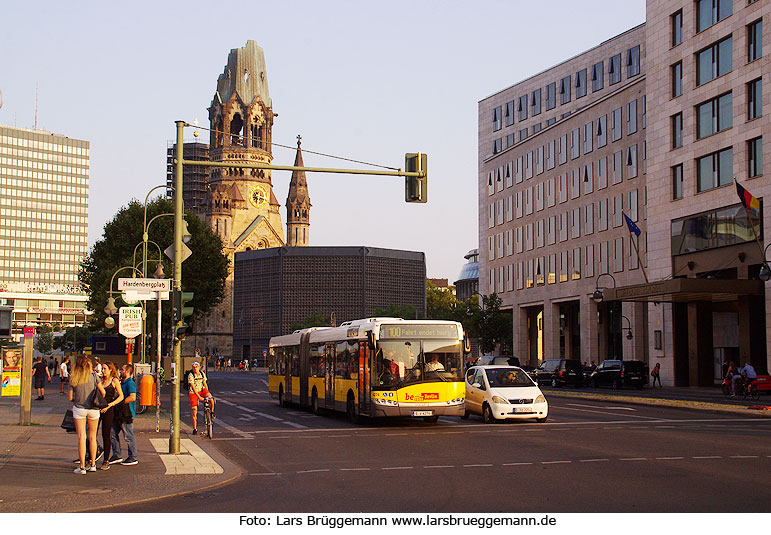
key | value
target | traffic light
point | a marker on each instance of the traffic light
(416, 188)
(180, 299)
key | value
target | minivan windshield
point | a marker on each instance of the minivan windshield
(505, 377)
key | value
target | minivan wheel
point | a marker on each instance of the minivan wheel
(617, 384)
(541, 420)
(554, 383)
(487, 414)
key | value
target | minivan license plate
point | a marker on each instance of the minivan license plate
(422, 413)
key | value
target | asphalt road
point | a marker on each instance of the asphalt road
(589, 457)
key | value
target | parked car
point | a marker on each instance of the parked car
(620, 373)
(559, 372)
(503, 392)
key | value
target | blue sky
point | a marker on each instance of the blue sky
(364, 80)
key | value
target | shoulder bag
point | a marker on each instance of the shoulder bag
(96, 399)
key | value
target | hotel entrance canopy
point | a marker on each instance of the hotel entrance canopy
(685, 290)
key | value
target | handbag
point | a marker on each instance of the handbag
(96, 399)
(68, 422)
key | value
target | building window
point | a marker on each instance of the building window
(562, 151)
(631, 161)
(550, 155)
(633, 61)
(588, 178)
(616, 168)
(602, 173)
(715, 170)
(581, 83)
(523, 134)
(589, 218)
(535, 102)
(496, 118)
(714, 115)
(575, 143)
(588, 135)
(550, 121)
(509, 140)
(602, 131)
(522, 108)
(565, 90)
(551, 96)
(755, 40)
(677, 28)
(712, 229)
(677, 182)
(709, 12)
(755, 157)
(602, 215)
(598, 76)
(614, 69)
(714, 61)
(677, 79)
(631, 117)
(677, 130)
(615, 125)
(619, 255)
(536, 127)
(754, 99)
(497, 145)
(508, 113)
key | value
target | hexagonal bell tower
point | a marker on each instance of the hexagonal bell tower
(298, 205)
(240, 206)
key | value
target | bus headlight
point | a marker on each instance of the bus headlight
(456, 401)
(499, 400)
(384, 401)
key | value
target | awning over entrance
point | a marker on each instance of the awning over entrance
(686, 290)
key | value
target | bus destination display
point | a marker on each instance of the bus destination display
(419, 331)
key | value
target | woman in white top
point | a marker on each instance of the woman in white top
(64, 374)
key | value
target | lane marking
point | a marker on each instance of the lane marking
(440, 466)
(477, 465)
(220, 423)
(354, 469)
(270, 417)
(398, 468)
(744, 456)
(313, 471)
(708, 457)
(266, 474)
(668, 458)
(296, 425)
(601, 407)
(556, 462)
(611, 413)
(635, 459)
(593, 460)
(516, 464)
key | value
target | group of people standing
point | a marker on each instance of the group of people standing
(116, 413)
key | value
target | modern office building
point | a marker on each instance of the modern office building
(194, 178)
(43, 226)
(279, 287)
(562, 156)
(653, 124)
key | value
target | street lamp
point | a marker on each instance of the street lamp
(598, 296)
(628, 329)
(765, 271)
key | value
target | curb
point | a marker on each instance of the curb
(676, 403)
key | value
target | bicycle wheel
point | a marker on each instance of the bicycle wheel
(209, 424)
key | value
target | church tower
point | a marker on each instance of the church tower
(298, 205)
(240, 206)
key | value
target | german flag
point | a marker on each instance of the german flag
(749, 202)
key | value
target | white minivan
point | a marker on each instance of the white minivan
(503, 392)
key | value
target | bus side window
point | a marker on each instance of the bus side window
(353, 360)
(341, 361)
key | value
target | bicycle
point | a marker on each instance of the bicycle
(208, 421)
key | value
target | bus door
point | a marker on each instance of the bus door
(288, 351)
(364, 386)
(304, 369)
(329, 358)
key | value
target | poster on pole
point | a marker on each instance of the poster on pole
(130, 321)
(11, 372)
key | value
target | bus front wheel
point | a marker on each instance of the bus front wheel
(431, 419)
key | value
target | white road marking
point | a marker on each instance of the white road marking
(354, 469)
(219, 423)
(296, 425)
(266, 474)
(604, 412)
(744, 456)
(270, 417)
(556, 462)
(635, 459)
(477, 465)
(398, 468)
(312, 471)
(440, 466)
(601, 407)
(516, 464)
(668, 458)
(708, 457)
(593, 460)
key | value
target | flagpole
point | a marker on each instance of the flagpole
(636, 249)
(752, 226)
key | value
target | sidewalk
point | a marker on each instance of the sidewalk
(709, 399)
(36, 468)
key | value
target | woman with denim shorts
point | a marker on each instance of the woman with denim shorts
(83, 382)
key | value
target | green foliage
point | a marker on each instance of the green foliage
(318, 319)
(73, 339)
(408, 312)
(44, 339)
(495, 326)
(204, 272)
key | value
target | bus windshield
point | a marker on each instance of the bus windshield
(400, 363)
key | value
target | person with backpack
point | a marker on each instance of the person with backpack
(198, 390)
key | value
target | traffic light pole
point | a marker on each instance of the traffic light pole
(176, 366)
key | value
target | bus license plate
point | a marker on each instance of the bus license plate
(422, 413)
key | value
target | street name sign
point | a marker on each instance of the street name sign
(130, 321)
(144, 285)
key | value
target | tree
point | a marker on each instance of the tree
(203, 273)
(441, 304)
(73, 339)
(495, 326)
(318, 319)
(44, 339)
(397, 311)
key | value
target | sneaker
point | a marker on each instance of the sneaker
(91, 468)
(130, 462)
(195, 431)
(79, 470)
(105, 466)
(115, 460)
(41, 398)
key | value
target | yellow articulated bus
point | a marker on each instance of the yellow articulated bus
(375, 367)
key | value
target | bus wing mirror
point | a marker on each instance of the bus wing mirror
(371, 340)
(466, 345)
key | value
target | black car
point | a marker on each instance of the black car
(620, 373)
(559, 372)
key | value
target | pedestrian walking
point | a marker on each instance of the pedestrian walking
(64, 374)
(97, 366)
(40, 374)
(114, 395)
(83, 382)
(125, 422)
(656, 374)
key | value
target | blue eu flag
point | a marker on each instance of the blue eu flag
(632, 227)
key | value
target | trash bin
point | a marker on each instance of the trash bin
(147, 390)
